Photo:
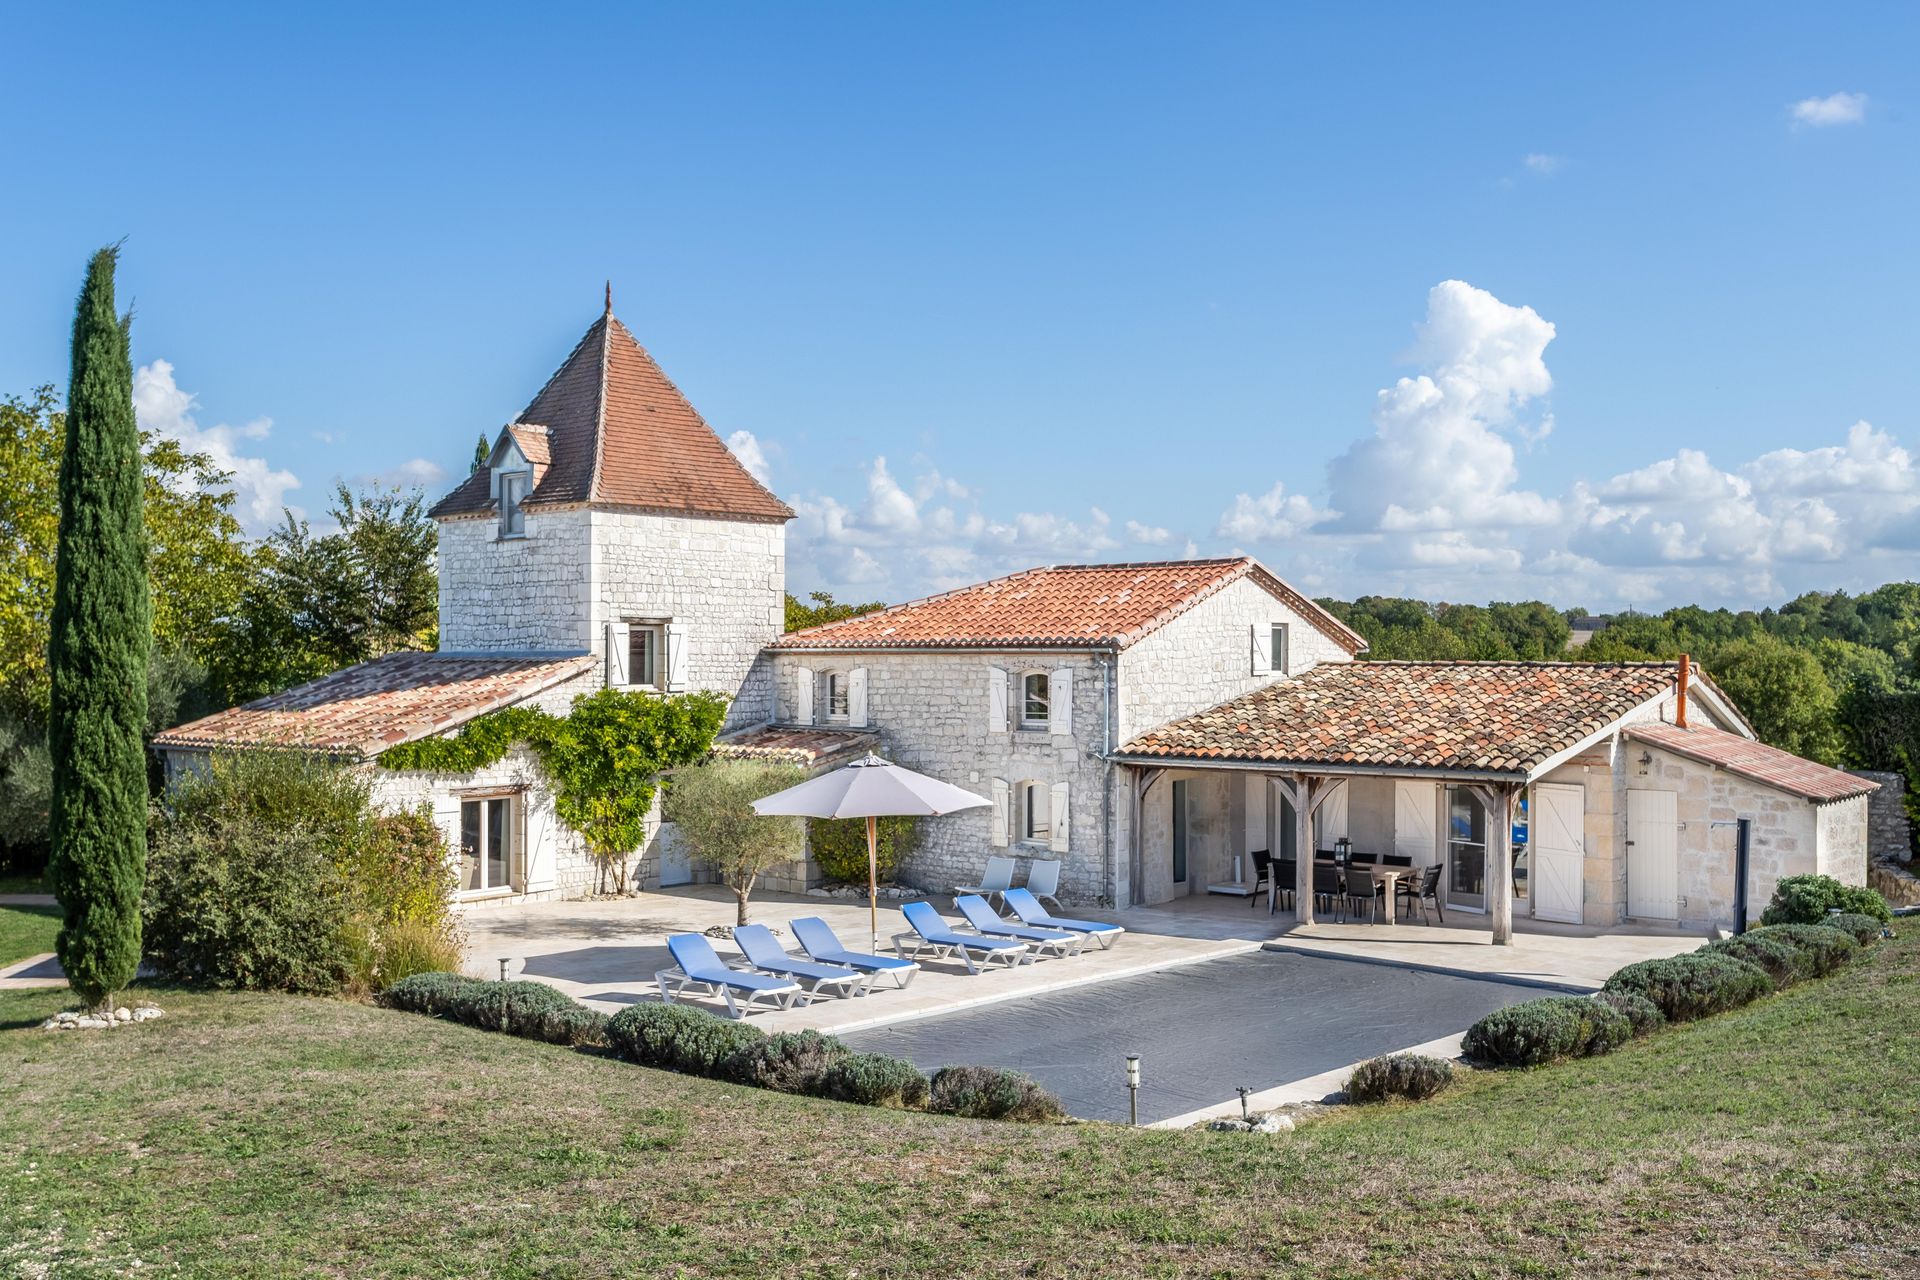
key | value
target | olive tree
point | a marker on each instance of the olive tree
(712, 806)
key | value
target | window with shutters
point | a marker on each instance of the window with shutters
(833, 697)
(1034, 700)
(646, 655)
(1279, 651)
(1036, 813)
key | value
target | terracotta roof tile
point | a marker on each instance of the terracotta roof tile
(619, 433)
(365, 709)
(1486, 717)
(802, 745)
(1769, 766)
(1075, 605)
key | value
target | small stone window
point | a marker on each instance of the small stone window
(1278, 640)
(1035, 702)
(513, 492)
(645, 644)
(1036, 817)
(833, 696)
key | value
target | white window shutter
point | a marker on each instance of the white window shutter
(996, 701)
(619, 637)
(1060, 836)
(677, 658)
(1060, 701)
(1262, 649)
(857, 698)
(1286, 647)
(803, 695)
(999, 813)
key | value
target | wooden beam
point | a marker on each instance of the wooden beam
(1498, 799)
(1303, 849)
(1143, 780)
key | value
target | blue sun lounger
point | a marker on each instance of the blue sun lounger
(983, 918)
(1028, 908)
(930, 935)
(819, 942)
(697, 965)
(764, 952)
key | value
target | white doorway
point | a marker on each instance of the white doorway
(675, 868)
(1557, 849)
(1653, 858)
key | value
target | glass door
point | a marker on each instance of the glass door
(1466, 850)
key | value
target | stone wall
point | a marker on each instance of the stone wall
(932, 713)
(515, 594)
(1841, 832)
(723, 580)
(1205, 657)
(1889, 831)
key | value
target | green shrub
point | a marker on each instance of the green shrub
(839, 846)
(679, 1038)
(1823, 948)
(992, 1093)
(1643, 1015)
(790, 1062)
(1863, 928)
(430, 993)
(1693, 985)
(876, 1080)
(1808, 899)
(1782, 962)
(236, 901)
(1537, 1031)
(407, 947)
(1399, 1075)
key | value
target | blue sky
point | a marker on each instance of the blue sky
(1092, 280)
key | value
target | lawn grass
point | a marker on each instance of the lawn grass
(257, 1135)
(26, 931)
(24, 882)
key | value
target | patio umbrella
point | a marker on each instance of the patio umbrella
(869, 788)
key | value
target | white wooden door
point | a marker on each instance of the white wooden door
(1557, 845)
(675, 867)
(1413, 826)
(1653, 859)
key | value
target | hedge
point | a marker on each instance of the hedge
(675, 1037)
(1642, 1014)
(1809, 899)
(1538, 1031)
(530, 1010)
(1863, 928)
(993, 1093)
(1822, 947)
(876, 1080)
(1782, 961)
(1694, 985)
(1413, 1076)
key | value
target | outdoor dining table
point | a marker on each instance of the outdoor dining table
(1388, 876)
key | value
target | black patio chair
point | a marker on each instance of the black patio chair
(1326, 888)
(1420, 891)
(1286, 875)
(1359, 859)
(1362, 891)
(1396, 859)
(1262, 870)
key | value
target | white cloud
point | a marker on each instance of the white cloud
(1273, 515)
(260, 490)
(1148, 535)
(1543, 164)
(746, 447)
(414, 473)
(1835, 108)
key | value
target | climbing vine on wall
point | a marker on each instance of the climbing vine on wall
(604, 757)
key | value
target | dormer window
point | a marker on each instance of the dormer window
(513, 492)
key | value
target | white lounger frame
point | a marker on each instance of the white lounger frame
(912, 944)
(675, 981)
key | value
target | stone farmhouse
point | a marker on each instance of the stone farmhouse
(1150, 726)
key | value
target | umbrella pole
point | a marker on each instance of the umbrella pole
(873, 880)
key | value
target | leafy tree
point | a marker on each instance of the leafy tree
(97, 658)
(1533, 629)
(482, 449)
(823, 609)
(712, 808)
(1784, 693)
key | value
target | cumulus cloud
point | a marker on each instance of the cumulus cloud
(1544, 165)
(1835, 108)
(1274, 514)
(746, 447)
(260, 489)
(1148, 535)
(414, 473)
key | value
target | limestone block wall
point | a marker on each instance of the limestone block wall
(724, 581)
(515, 594)
(1841, 840)
(932, 711)
(1603, 869)
(1889, 831)
(1205, 657)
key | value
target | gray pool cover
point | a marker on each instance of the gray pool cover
(1260, 1020)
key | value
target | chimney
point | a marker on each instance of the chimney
(1680, 708)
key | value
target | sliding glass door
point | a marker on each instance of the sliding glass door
(1466, 850)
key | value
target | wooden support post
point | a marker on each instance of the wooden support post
(1303, 849)
(1500, 864)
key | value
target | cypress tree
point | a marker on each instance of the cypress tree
(97, 656)
(481, 452)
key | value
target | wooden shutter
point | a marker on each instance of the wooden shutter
(1057, 803)
(677, 657)
(803, 695)
(857, 698)
(996, 701)
(999, 813)
(1262, 654)
(1060, 701)
(619, 637)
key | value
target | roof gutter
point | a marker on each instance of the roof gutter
(1325, 768)
(797, 650)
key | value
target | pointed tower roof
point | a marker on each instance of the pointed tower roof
(620, 434)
